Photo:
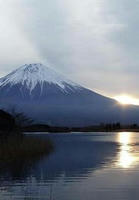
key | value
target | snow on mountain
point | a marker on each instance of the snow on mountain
(30, 75)
(48, 97)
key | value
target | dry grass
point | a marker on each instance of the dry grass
(24, 148)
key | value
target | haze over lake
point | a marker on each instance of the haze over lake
(83, 166)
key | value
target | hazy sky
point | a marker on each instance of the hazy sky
(93, 42)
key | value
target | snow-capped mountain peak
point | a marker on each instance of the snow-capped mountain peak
(30, 75)
(48, 97)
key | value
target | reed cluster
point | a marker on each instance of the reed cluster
(23, 147)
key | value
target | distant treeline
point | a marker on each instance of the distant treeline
(18, 122)
(95, 128)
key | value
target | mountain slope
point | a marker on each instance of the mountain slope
(49, 97)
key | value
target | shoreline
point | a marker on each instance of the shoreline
(80, 130)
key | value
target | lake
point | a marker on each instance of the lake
(90, 166)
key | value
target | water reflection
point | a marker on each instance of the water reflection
(75, 156)
(75, 160)
(83, 166)
(126, 156)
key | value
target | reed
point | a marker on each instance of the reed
(23, 147)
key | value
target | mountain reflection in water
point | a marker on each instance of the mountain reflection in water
(83, 166)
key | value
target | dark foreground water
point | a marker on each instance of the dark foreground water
(84, 166)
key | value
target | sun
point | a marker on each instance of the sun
(127, 100)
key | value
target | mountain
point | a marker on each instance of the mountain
(48, 97)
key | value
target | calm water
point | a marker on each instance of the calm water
(94, 166)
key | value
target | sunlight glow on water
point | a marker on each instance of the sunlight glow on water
(126, 157)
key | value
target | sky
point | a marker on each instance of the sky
(93, 42)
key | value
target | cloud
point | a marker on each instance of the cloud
(94, 42)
